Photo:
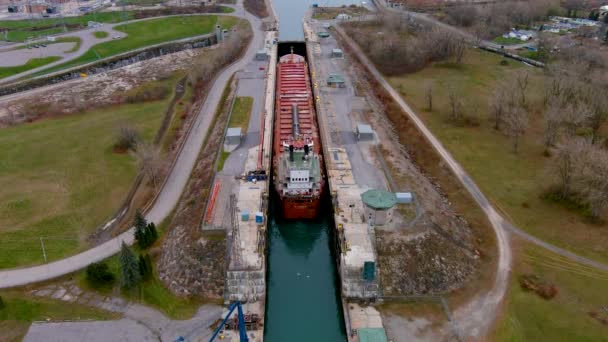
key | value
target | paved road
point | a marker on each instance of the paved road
(170, 192)
(88, 41)
(140, 323)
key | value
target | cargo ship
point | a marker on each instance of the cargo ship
(297, 161)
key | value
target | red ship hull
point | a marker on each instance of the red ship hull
(294, 88)
(300, 209)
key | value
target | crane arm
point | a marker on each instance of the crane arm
(242, 331)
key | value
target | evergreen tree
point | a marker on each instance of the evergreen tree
(153, 232)
(130, 269)
(140, 226)
(145, 266)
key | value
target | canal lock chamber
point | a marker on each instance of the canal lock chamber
(303, 299)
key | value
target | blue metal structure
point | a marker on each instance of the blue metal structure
(242, 330)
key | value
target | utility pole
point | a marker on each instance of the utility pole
(43, 250)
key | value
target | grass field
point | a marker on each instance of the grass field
(20, 30)
(31, 64)
(528, 317)
(514, 182)
(241, 112)
(61, 179)
(150, 32)
(20, 311)
(507, 41)
(100, 34)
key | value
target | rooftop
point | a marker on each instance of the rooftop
(233, 132)
(379, 199)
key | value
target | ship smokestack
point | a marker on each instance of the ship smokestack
(296, 120)
(291, 153)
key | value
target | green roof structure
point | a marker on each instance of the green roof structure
(379, 199)
(372, 335)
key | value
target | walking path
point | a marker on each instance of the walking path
(88, 40)
(171, 190)
(139, 322)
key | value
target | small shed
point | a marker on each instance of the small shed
(343, 16)
(379, 205)
(372, 335)
(233, 136)
(336, 81)
(404, 197)
(364, 132)
(261, 55)
(337, 53)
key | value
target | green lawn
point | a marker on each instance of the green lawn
(150, 32)
(31, 64)
(20, 311)
(20, 30)
(514, 182)
(528, 317)
(100, 34)
(241, 111)
(507, 41)
(61, 179)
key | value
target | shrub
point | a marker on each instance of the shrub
(541, 287)
(99, 274)
(126, 139)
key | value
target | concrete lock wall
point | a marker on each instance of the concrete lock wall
(354, 287)
(245, 286)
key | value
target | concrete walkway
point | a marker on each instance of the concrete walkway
(171, 190)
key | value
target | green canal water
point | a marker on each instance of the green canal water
(303, 301)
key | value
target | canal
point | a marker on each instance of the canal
(303, 298)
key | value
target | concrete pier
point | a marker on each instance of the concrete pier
(239, 200)
(351, 170)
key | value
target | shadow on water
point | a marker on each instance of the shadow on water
(303, 299)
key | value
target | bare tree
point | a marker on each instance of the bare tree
(522, 80)
(565, 162)
(127, 138)
(428, 94)
(498, 106)
(592, 183)
(150, 162)
(516, 123)
(598, 115)
(553, 118)
(575, 116)
(458, 48)
(455, 104)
